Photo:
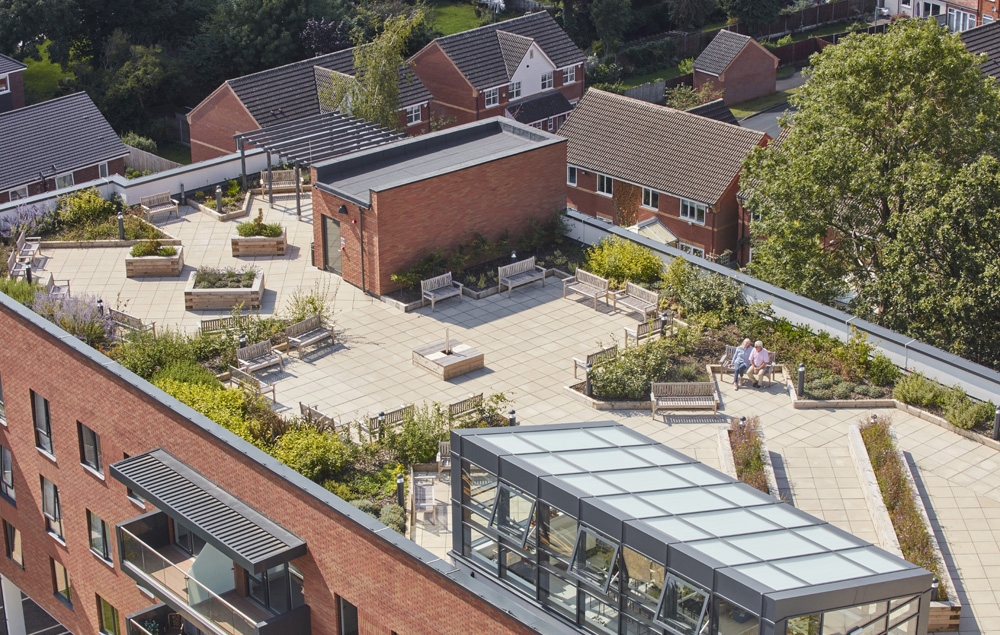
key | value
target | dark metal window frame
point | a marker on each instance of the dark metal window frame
(7, 475)
(53, 520)
(93, 520)
(699, 627)
(496, 506)
(65, 584)
(3, 410)
(611, 567)
(10, 538)
(41, 433)
(115, 628)
(83, 432)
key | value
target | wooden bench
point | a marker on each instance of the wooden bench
(257, 356)
(439, 288)
(594, 359)
(219, 325)
(57, 288)
(130, 322)
(307, 332)
(642, 330)
(28, 248)
(726, 361)
(246, 380)
(443, 457)
(518, 273)
(280, 180)
(464, 406)
(325, 423)
(16, 268)
(587, 284)
(158, 204)
(671, 395)
(373, 426)
(637, 299)
(424, 501)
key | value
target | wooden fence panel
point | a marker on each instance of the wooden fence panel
(146, 161)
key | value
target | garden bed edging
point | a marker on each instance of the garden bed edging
(223, 299)
(155, 266)
(250, 246)
(729, 464)
(226, 215)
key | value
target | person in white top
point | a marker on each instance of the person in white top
(759, 359)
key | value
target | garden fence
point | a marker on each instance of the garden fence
(651, 92)
(906, 352)
(147, 161)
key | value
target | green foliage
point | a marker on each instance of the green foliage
(650, 56)
(186, 371)
(611, 20)
(305, 303)
(228, 408)
(843, 390)
(685, 97)
(416, 439)
(697, 292)
(691, 14)
(227, 278)
(138, 141)
(427, 267)
(144, 353)
(257, 227)
(367, 506)
(151, 248)
(87, 207)
(881, 370)
(686, 66)
(774, 44)
(620, 260)
(753, 12)
(20, 289)
(628, 376)
(958, 409)
(744, 440)
(394, 517)
(917, 390)
(600, 74)
(318, 456)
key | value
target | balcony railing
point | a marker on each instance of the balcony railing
(226, 618)
(135, 629)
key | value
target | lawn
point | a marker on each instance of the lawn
(639, 80)
(829, 29)
(449, 17)
(761, 104)
(41, 78)
(174, 151)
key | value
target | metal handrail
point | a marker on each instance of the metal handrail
(187, 577)
(133, 624)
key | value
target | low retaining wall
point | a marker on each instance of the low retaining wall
(244, 247)
(247, 201)
(155, 266)
(223, 299)
(728, 463)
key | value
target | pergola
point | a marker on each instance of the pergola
(308, 141)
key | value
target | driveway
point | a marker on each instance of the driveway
(767, 121)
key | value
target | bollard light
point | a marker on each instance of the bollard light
(100, 306)
(243, 340)
(218, 199)
(996, 425)
(121, 226)
(184, 196)
(743, 421)
(381, 423)
(513, 255)
(588, 389)
(800, 387)
(27, 273)
(511, 418)
(399, 490)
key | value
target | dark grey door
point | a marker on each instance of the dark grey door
(331, 244)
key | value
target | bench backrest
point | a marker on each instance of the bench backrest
(277, 176)
(19, 244)
(730, 351)
(646, 328)
(391, 418)
(515, 268)
(444, 451)
(589, 278)
(438, 282)
(124, 319)
(12, 260)
(683, 389)
(246, 379)
(254, 351)
(51, 283)
(423, 493)
(317, 418)
(466, 405)
(602, 355)
(163, 198)
(214, 325)
(638, 292)
(306, 325)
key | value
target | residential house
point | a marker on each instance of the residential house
(629, 161)
(985, 39)
(285, 94)
(738, 66)
(11, 84)
(55, 144)
(525, 69)
(958, 15)
(716, 109)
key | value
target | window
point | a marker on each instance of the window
(4, 84)
(605, 185)
(987, 19)
(552, 124)
(108, 616)
(278, 588)
(7, 474)
(90, 447)
(569, 75)
(595, 559)
(51, 508)
(513, 513)
(100, 536)
(547, 80)
(492, 97)
(64, 180)
(733, 620)
(650, 198)
(960, 20)
(18, 193)
(43, 425)
(905, 3)
(413, 115)
(682, 606)
(691, 249)
(12, 543)
(514, 91)
(60, 582)
(132, 496)
(348, 617)
(571, 175)
(694, 212)
(479, 488)
(102, 170)
(3, 412)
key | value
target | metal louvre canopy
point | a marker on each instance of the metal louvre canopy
(227, 523)
(313, 139)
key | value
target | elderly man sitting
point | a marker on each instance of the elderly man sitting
(741, 361)
(759, 359)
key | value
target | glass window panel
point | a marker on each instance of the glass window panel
(909, 627)
(633, 505)
(644, 480)
(594, 559)
(90, 447)
(479, 488)
(562, 440)
(894, 604)
(773, 545)
(683, 606)
(771, 576)
(520, 570)
(60, 582)
(900, 613)
(635, 625)
(841, 621)
(348, 617)
(479, 546)
(723, 552)
(297, 582)
(729, 522)
(277, 588)
(827, 537)
(605, 459)
(782, 514)
(659, 456)
(734, 620)
(557, 594)
(557, 536)
(99, 539)
(108, 617)
(43, 428)
(617, 436)
(7, 474)
(803, 625)
(256, 588)
(742, 495)
(686, 501)
(677, 528)
(591, 484)
(874, 560)
(12, 543)
(822, 568)
(513, 513)
(698, 475)
(513, 443)
(3, 415)
(643, 577)
(550, 463)
(600, 616)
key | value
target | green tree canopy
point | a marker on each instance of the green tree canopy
(611, 21)
(753, 12)
(874, 190)
(688, 14)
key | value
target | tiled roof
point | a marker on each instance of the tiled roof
(54, 137)
(478, 55)
(8, 65)
(721, 52)
(717, 110)
(985, 39)
(669, 150)
(287, 93)
(538, 108)
(513, 47)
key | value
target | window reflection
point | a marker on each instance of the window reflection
(909, 627)
(479, 546)
(733, 620)
(513, 513)
(558, 594)
(644, 577)
(600, 616)
(479, 488)
(683, 606)
(803, 625)
(557, 536)
(595, 559)
(841, 621)
(520, 570)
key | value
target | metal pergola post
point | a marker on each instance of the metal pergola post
(270, 180)
(298, 190)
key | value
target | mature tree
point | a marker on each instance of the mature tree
(321, 37)
(753, 12)
(611, 20)
(373, 92)
(891, 133)
(691, 14)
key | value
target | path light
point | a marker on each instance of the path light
(513, 255)
(511, 418)
(874, 418)
(121, 226)
(100, 306)
(743, 421)
(243, 340)
(399, 490)
(27, 272)
(934, 588)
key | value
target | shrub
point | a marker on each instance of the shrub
(144, 353)
(686, 66)
(881, 370)
(318, 456)
(744, 440)
(138, 141)
(258, 227)
(705, 293)
(20, 289)
(619, 260)
(367, 507)
(416, 439)
(33, 220)
(427, 267)
(650, 56)
(303, 303)
(822, 394)
(843, 390)
(339, 489)
(88, 207)
(228, 278)
(773, 44)
(917, 390)
(151, 248)
(186, 371)
(963, 412)
(873, 392)
(78, 315)
(394, 517)
(628, 376)
(227, 408)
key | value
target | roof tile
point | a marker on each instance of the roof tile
(721, 52)
(9, 65)
(985, 39)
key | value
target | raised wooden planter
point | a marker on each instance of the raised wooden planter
(223, 299)
(729, 464)
(224, 216)
(260, 245)
(944, 616)
(155, 266)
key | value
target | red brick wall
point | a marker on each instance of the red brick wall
(391, 590)
(325, 204)
(214, 122)
(115, 166)
(453, 95)
(584, 197)
(420, 128)
(752, 74)
(573, 92)
(16, 84)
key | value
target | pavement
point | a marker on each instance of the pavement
(529, 341)
(767, 120)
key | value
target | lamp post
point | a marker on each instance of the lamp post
(218, 199)
(996, 425)
(801, 385)
(588, 389)
(934, 588)
(27, 272)
(381, 423)
(399, 490)
(121, 226)
(513, 255)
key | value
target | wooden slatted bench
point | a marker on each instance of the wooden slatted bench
(468, 404)
(130, 322)
(373, 426)
(726, 361)
(587, 284)
(439, 288)
(672, 395)
(325, 423)
(642, 330)
(518, 273)
(248, 381)
(594, 359)
(219, 325)
(443, 457)
(158, 204)
(28, 248)
(16, 268)
(637, 299)
(57, 288)
(280, 179)
(259, 355)
(307, 332)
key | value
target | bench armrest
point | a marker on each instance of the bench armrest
(459, 285)
(541, 268)
(621, 293)
(32, 239)
(568, 281)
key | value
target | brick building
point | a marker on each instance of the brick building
(738, 66)
(115, 497)
(525, 69)
(985, 40)
(285, 94)
(683, 170)
(55, 144)
(409, 198)
(958, 15)
(11, 84)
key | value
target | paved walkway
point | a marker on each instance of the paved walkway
(529, 341)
